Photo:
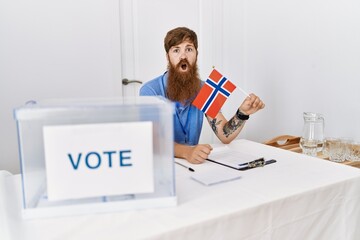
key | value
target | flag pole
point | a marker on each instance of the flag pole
(242, 90)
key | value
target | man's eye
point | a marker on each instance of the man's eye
(176, 50)
(189, 49)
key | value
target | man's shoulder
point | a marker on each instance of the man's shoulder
(155, 81)
(154, 86)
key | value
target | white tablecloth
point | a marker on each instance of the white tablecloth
(299, 197)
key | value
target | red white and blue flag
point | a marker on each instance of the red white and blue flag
(213, 94)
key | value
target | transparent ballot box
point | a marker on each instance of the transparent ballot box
(95, 155)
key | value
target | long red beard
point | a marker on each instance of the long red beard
(183, 86)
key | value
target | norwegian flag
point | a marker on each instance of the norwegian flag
(213, 94)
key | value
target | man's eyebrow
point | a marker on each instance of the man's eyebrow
(187, 45)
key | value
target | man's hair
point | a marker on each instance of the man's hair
(178, 35)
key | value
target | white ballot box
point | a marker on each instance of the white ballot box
(95, 155)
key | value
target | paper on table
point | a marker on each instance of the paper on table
(209, 173)
(215, 174)
(231, 157)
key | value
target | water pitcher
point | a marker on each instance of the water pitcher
(312, 138)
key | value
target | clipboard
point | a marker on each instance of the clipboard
(237, 160)
(246, 166)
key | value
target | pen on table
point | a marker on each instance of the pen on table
(189, 168)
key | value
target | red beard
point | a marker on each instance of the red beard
(183, 86)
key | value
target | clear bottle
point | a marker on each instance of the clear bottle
(312, 139)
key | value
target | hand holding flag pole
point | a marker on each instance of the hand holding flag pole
(215, 92)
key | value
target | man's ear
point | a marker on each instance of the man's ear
(168, 60)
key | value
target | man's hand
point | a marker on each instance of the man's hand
(251, 105)
(194, 154)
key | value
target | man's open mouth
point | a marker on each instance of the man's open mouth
(184, 66)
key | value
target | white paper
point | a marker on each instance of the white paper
(209, 173)
(215, 175)
(231, 156)
(90, 160)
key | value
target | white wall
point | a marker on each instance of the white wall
(51, 50)
(298, 56)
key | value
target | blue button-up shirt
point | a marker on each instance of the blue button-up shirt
(188, 119)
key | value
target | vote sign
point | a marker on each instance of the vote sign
(94, 160)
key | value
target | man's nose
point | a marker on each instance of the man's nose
(183, 55)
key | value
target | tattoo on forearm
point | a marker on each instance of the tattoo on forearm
(231, 126)
(213, 124)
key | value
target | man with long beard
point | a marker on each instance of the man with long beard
(180, 84)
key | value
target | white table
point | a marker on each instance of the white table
(299, 197)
